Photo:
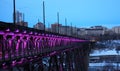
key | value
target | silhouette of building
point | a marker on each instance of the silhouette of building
(66, 30)
(96, 30)
(20, 19)
(19, 16)
(55, 27)
(116, 29)
(22, 23)
(39, 26)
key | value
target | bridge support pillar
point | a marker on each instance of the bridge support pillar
(71, 60)
(81, 58)
(53, 63)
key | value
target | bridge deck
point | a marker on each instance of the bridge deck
(17, 42)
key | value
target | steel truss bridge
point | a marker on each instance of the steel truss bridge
(26, 49)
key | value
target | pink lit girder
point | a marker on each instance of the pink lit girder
(30, 43)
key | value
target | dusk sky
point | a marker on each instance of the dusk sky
(82, 13)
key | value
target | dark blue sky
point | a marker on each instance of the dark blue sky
(82, 13)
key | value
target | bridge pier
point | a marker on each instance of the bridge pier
(71, 60)
(81, 58)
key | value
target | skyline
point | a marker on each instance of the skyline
(81, 13)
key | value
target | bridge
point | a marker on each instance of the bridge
(28, 49)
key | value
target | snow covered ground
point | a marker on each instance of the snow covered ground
(110, 48)
(104, 52)
(112, 51)
(102, 64)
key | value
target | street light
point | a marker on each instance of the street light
(58, 21)
(14, 16)
(71, 29)
(44, 14)
(66, 25)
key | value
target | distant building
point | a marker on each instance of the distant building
(110, 32)
(55, 27)
(116, 29)
(62, 30)
(39, 26)
(92, 31)
(48, 29)
(20, 19)
(74, 31)
(98, 27)
(22, 23)
(81, 31)
(66, 30)
(96, 30)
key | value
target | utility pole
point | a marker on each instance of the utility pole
(44, 14)
(71, 29)
(58, 21)
(49, 26)
(38, 21)
(14, 16)
(23, 17)
(66, 25)
(76, 31)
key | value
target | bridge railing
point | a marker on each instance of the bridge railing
(19, 42)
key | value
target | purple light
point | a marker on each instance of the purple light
(8, 30)
(53, 53)
(43, 34)
(21, 61)
(24, 32)
(2, 33)
(31, 32)
(10, 33)
(14, 63)
(17, 31)
(36, 33)
(17, 45)
(4, 64)
(23, 42)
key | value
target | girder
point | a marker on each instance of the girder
(21, 44)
